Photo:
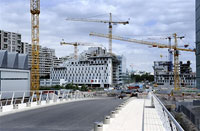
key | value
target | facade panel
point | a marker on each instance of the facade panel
(14, 80)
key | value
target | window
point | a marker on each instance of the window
(5, 46)
(5, 34)
(5, 40)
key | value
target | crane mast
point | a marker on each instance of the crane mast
(110, 34)
(35, 11)
(176, 63)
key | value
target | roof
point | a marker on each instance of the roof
(13, 60)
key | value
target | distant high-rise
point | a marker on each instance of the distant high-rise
(10, 41)
(198, 43)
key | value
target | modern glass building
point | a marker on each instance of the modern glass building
(198, 43)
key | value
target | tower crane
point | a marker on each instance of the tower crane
(76, 44)
(35, 11)
(159, 45)
(110, 22)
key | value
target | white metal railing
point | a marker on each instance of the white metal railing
(168, 121)
(15, 98)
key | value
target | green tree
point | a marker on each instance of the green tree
(144, 77)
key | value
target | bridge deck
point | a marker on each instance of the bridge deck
(136, 118)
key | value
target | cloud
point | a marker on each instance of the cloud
(147, 19)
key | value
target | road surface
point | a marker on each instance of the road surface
(74, 116)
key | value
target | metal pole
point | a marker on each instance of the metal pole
(110, 34)
(22, 101)
(13, 95)
(32, 96)
(40, 97)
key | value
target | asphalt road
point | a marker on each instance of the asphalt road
(74, 116)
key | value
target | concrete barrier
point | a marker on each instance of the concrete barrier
(51, 101)
(28, 104)
(67, 99)
(46, 97)
(21, 106)
(6, 108)
(60, 100)
(34, 104)
(43, 103)
(55, 100)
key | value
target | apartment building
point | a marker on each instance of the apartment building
(47, 58)
(165, 78)
(10, 41)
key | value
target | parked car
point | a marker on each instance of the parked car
(122, 95)
(134, 93)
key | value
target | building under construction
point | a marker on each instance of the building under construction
(164, 78)
(94, 68)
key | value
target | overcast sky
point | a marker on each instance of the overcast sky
(149, 20)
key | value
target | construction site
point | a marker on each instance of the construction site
(26, 69)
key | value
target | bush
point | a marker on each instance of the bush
(84, 88)
(71, 86)
(56, 87)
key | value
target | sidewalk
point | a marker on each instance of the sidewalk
(133, 117)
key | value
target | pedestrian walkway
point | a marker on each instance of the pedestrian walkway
(137, 115)
(152, 121)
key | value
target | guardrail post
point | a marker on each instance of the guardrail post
(75, 95)
(13, 95)
(71, 95)
(98, 126)
(112, 114)
(0, 95)
(67, 95)
(152, 102)
(0, 99)
(53, 96)
(22, 101)
(63, 95)
(32, 96)
(106, 120)
(47, 98)
(40, 97)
